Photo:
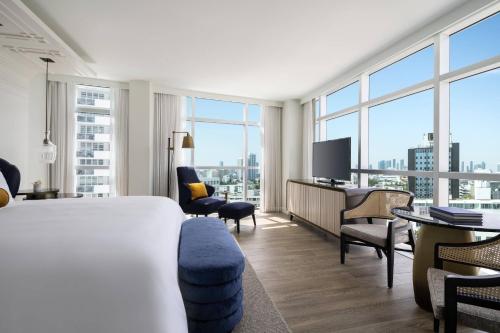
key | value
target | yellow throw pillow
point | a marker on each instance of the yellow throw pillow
(198, 190)
(4, 198)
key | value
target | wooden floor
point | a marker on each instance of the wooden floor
(300, 270)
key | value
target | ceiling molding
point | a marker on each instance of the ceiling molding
(26, 38)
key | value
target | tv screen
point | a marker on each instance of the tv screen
(332, 159)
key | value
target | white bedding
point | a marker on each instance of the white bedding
(91, 266)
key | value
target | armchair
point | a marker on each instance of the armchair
(202, 206)
(377, 204)
(12, 176)
(471, 300)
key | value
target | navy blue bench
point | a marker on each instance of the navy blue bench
(237, 211)
(211, 265)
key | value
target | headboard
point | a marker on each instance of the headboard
(12, 176)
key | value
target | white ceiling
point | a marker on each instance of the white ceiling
(271, 49)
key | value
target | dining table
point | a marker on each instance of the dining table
(434, 230)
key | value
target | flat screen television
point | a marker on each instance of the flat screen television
(332, 160)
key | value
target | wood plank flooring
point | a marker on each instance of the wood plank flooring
(300, 269)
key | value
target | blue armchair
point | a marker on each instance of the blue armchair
(202, 206)
(12, 176)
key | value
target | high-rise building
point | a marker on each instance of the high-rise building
(402, 164)
(381, 165)
(93, 141)
(422, 159)
(471, 166)
(394, 163)
(253, 172)
(462, 167)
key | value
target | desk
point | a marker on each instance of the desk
(435, 231)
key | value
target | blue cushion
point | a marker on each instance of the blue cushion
(204, 205)
(214, 311)
(223, 325)
(208, 254)
(209, 294)
(236, 210)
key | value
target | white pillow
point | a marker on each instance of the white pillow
(5, 186)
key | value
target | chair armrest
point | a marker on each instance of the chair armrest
(480, 253)
(481, 291)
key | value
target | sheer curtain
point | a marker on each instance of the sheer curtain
(167, 118)
(120, 140)
(307, 140)
(271, 180)
(61, 106)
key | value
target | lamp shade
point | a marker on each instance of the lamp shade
(187, 141)
(48, 152)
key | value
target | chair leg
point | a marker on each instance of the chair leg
(390, 267)
(237, 226)
(436, 325)
(206, 215)
(291, 217)
(225, 220)
(379, 253)
(342, 249)
(253, 218)
(411, 237)
(196, 215)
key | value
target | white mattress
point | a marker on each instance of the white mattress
(91, 266)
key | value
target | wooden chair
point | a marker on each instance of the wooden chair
(473, 301)
(378, 204)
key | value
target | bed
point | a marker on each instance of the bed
(91, 266)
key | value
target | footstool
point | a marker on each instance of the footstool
(210, 271)
(237, 211)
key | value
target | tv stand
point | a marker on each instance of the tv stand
(332, 182)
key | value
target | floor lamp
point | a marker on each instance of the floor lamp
(187, 142)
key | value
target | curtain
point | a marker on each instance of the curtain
(167, 118)
(120, 141)
(61, 106)
(307, 140)
(271, 180)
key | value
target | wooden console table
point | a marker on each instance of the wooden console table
(317, 203)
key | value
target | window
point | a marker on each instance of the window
(400, 133)
(93, 141)
(398, 144)
(475, 43)
(343, 127)
(408, 71)
(474, 122)
(228, 148)
(343, 98)
(213, 109)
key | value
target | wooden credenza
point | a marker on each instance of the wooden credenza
(316, 203)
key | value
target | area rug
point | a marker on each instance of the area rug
(260, 314)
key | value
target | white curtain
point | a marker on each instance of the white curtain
(120, 116)
(61, 106)
(167, 118)
(307, 140)
(271, 180)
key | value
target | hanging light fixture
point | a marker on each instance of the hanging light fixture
(48, 151)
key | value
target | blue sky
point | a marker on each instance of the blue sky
(394, 126)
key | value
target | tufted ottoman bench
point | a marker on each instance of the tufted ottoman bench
(237, 211)
(211, 265)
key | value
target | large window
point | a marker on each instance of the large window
(343, 127)
(408, 71)
(393, 143)
(343, 98)
(93, 142)
(228, 146)
(418, 123)
(475, 43)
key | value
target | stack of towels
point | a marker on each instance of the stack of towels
(211, 265)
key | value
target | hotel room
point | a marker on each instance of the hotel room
(249, 166)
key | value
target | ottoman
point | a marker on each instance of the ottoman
(211, 265)
(237, 211)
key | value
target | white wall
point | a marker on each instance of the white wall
(140, 138)
(21, 120)
(291, 143)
